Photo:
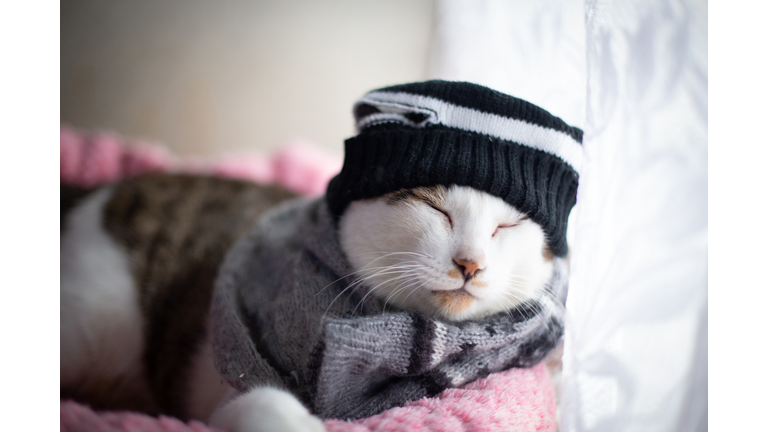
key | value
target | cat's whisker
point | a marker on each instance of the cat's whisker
(371, 290)
(379, 271)
(382, 272)
(390, 280)
(396, 253)
(355, 284)
(337, 280)
(386, 271)
(397, 291)
(414, 271)
(527, 306)
(518, 291)
(360, 281)
(420, 255)
(522, 303)
(365, 269)
(400, 288)
(350, 274)
(416, 285)
(411, 287)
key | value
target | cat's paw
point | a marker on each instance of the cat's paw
(266, 410)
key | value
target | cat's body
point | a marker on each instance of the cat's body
(139, 260)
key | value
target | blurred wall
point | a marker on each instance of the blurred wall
(211, 77)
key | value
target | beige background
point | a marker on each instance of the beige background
(210, 77)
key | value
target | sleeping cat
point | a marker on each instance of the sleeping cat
(139, 259)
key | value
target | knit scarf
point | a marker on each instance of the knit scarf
(282, 315)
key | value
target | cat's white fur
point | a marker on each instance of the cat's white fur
(405, 253)
(265, 410)
(101, 331)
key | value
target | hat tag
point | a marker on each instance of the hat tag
(371, 112)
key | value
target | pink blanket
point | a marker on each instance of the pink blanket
(514, 400)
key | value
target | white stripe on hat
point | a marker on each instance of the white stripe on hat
(393, 107)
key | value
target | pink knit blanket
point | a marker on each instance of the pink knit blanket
(514, 400)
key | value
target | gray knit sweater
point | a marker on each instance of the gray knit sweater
(281, 317)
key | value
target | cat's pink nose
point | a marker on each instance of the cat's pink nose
(468, 267)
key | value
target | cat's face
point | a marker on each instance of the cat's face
(451, 252)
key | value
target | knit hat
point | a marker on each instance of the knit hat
(443, 132)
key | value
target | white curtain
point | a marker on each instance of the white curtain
(633, 74)
(533, 50)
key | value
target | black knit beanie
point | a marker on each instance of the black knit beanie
(443, 132)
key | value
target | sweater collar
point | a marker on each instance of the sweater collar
(321, 237)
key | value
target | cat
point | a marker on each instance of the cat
(139, 258)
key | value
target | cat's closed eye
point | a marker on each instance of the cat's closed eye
(445, 213)
(507, 225)
(503, 226)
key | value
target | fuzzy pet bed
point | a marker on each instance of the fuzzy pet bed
(514, 400)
